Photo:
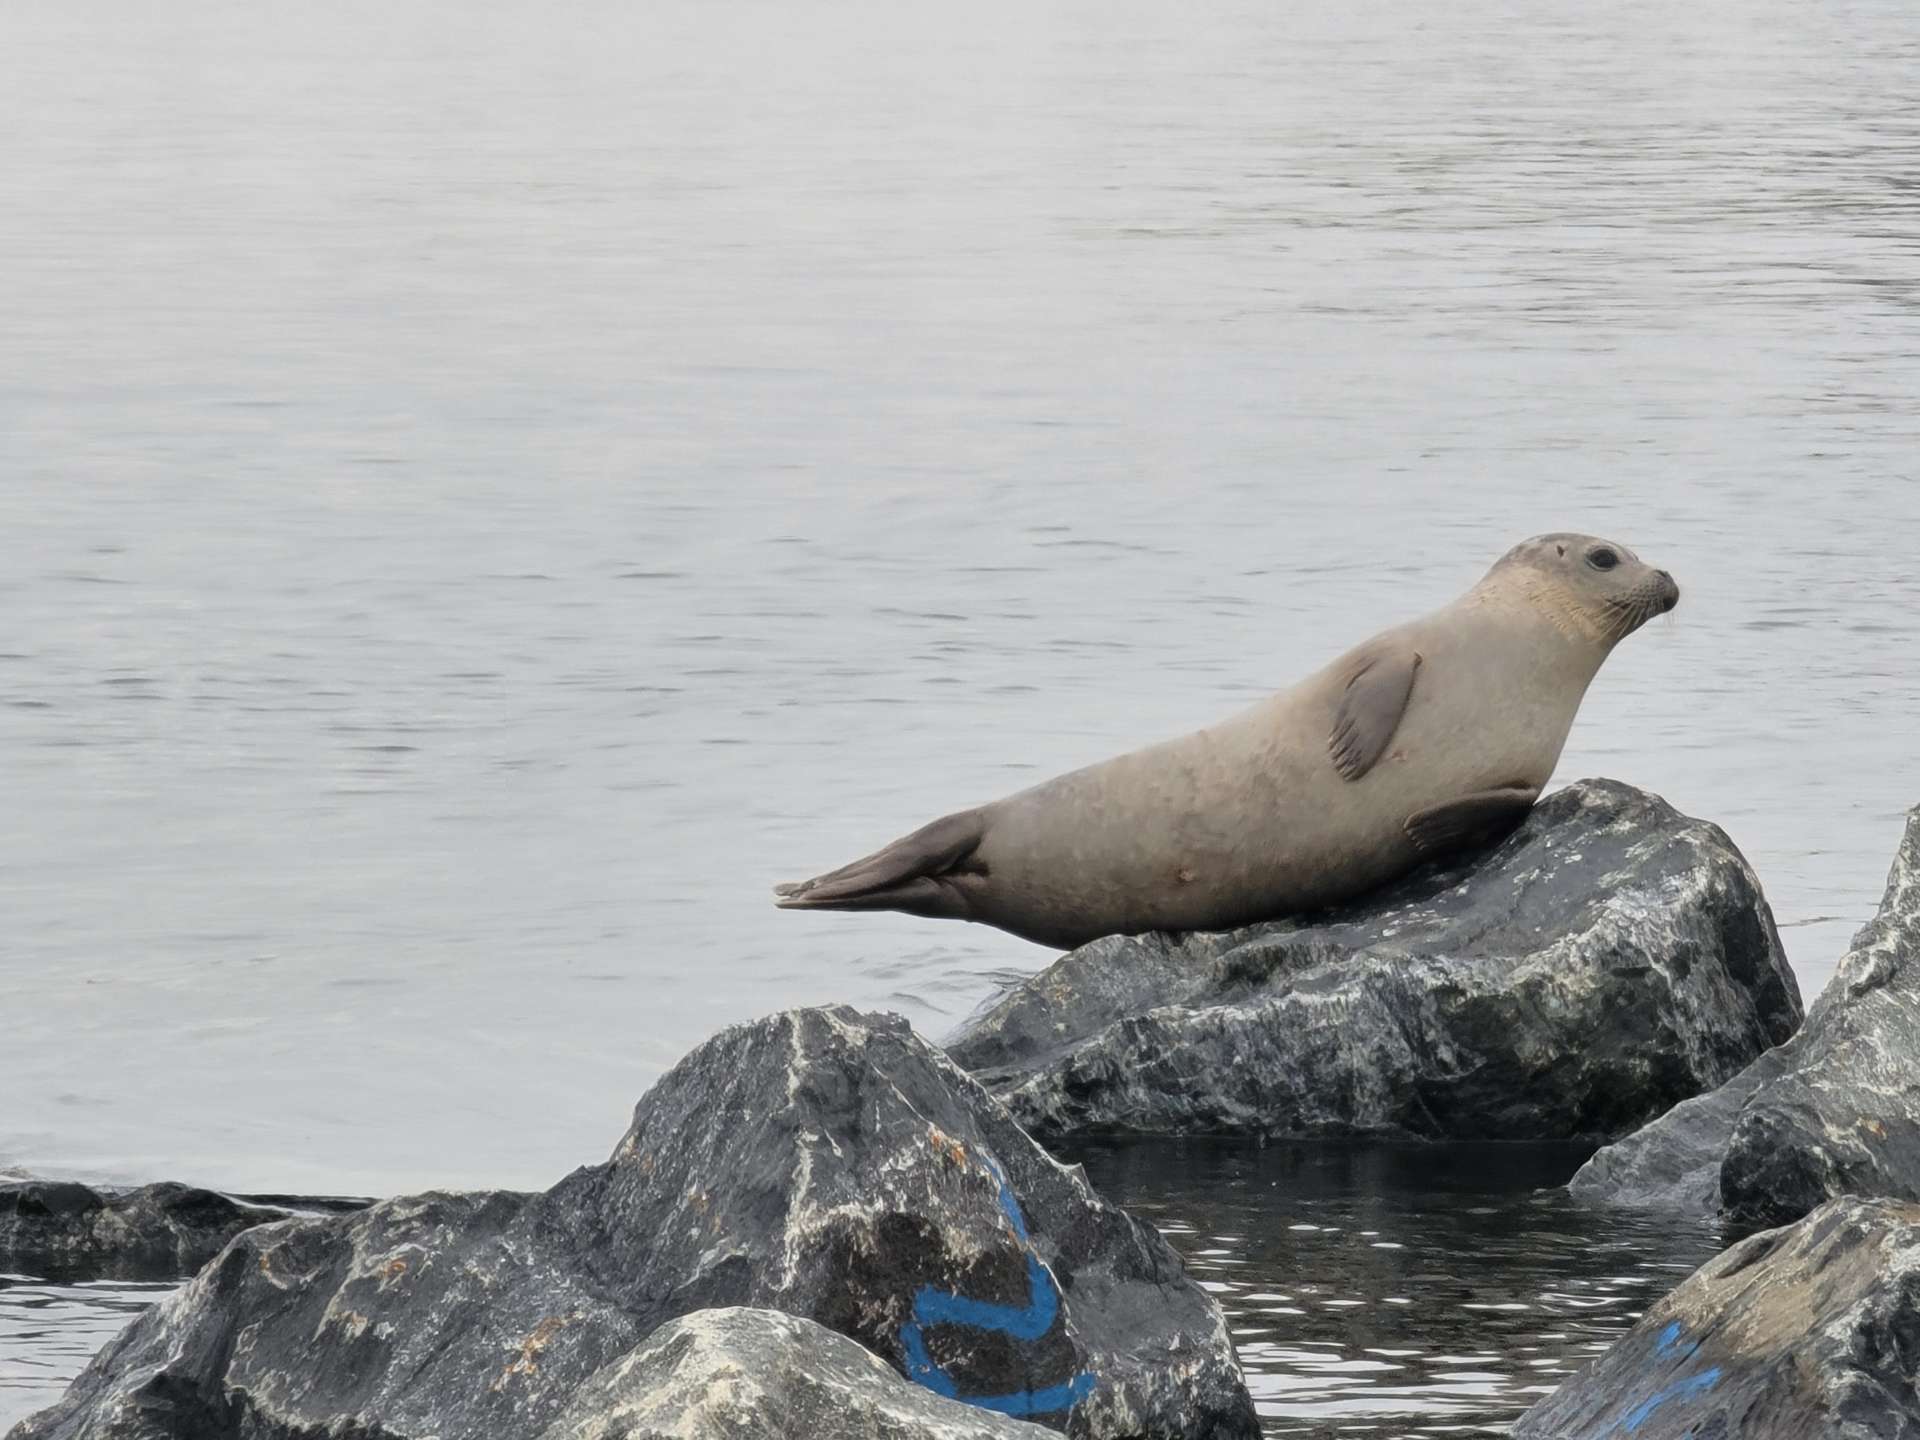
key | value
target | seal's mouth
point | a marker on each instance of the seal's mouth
(1624, 614)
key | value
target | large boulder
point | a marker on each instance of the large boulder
(1834, 1111)
(63, 1227)
(1608, 959)
(1793, 1333)
(736, 1374)
(823, 1163)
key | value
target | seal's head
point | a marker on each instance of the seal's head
(1584, 584)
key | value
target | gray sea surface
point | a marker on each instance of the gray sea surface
(486, 492)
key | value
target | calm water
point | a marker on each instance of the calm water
(1401, 1290)
(482, 496)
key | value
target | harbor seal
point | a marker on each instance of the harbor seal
(1431, 737)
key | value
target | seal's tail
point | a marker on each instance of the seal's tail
(910, 875)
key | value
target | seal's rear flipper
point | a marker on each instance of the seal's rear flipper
(1473, 820)
(906, 875)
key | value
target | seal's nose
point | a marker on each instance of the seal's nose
(1669, 592)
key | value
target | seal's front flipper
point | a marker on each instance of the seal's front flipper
(1371, 705)
(1471, 821)
(906, 875)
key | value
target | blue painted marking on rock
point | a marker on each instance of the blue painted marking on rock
(1681, 1390)
(1018, 1322)
(1028, 1322)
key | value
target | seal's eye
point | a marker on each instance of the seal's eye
(1603, 559)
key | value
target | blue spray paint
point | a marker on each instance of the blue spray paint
(1680, 1390)
(1019, 1322)
(1667, 1347)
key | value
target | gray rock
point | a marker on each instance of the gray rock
(1608, 959)
(742, 1374)
(1836, 1110)
(1813, 1330)
(62, 1227)
(822, 1163)
(1674, 1162)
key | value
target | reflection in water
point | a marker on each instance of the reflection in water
(1387, 1290)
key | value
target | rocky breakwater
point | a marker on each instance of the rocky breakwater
(62, 1227)
(1609, 958)
(821, 1163)
(1834, 1111)
(1793, 1333)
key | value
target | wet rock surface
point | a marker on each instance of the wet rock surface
(822, 1163)
(1836, 1110)
(1797, 1332)
(727, 1374)
(1610, 958)
(156, 1231)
